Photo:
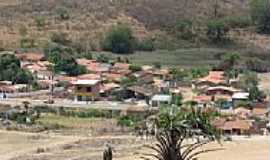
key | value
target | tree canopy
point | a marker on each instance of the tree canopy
(65, 62)
(119, 40)
(10, 70)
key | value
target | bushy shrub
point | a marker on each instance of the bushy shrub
(87, 55)
(60, 38)
(119, 40)
(135, 68)
(145, 45)
(102, 58)
(217, 31)
(27, 43)
(40, 22)
(63, 13)
(183, 29)
(64, 62)
(10, 70)
(129, 121)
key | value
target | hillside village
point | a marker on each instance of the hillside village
(132, 80)
(143, 87)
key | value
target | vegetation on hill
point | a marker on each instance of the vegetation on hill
(260, 12)
(10, 70)
(64, 62)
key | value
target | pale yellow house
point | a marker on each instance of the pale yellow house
(86, 90)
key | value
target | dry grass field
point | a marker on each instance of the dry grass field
(126, 148)
(13, 144)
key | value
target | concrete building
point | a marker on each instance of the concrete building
(86, 90)
(159, 100)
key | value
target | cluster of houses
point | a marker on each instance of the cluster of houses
(153, 87)
(238, 115)
(103, 81)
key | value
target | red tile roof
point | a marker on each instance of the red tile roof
(89, 76)
(202, 99)
(113, 76)
(215, 77)
(260, 111)
(232, 124)
(124, 66)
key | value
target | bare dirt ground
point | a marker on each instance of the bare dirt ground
(20, 146)
(14, 143)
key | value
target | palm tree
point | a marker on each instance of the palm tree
(176, 129)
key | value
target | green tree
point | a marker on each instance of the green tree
(184, 30)
(229, 63)
(135, 67)
(249, 82)
(199, 72)
(232, 59)
(128, 81)
(119, 40)
(10, 70)
(60, 38)
(64, 62)
(102, 58)
(260, 13)
(40, 22)
(179, 74)
(217, 31)
(63, 13)
(145, 45)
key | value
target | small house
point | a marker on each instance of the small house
(86, 90)
(159, 100)
(214, 78)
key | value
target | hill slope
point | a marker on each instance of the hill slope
(88, 19)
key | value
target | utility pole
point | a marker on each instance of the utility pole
(216, 9)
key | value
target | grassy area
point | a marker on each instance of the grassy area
(190, 57)
(65, 122)
(181, 57)
(76, 125)
(194, 57)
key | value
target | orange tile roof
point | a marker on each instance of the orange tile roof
(124, 66)
(113, 76)
(97, 67)
(260, 111)
(236, 124)
(202, 99)
(214, 77)
(242, 112)
(89, 76)
(84, 62)
(66, 78)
